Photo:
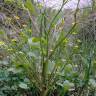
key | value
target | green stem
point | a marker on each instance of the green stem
(54, 18)
(44, 72)
(45, 64)
(44, 92)
(60, 42)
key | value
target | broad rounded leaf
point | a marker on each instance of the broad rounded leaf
(67, 85)
(23, 85)
(92, 82)
(68, 68)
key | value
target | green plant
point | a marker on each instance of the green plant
(40, 57)
(44, 61)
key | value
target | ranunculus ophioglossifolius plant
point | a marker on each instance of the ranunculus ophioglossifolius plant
(39, 55)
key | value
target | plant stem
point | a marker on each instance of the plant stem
(44, 92)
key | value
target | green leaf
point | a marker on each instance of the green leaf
(67, 85)
(34, 39)
(11, 1)
(68, 68)
(23, 85)
(1, 31)
(30, 6)
(92, 82)
(51, 66)
(15, 71)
